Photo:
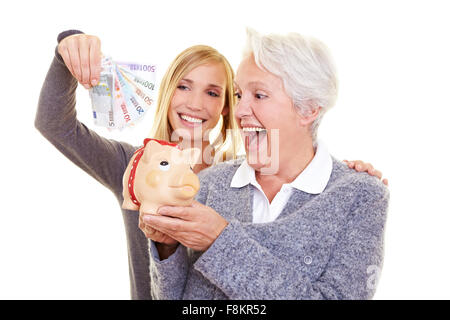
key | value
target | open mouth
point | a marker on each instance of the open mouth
(189, 120)
(254, 137)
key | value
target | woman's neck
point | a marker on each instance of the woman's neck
(292, 165)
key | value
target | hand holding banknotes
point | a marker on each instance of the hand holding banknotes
(120, 92)
(82, 55)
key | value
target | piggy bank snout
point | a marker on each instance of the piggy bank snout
(188, 185)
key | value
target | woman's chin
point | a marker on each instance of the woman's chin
(258, 158)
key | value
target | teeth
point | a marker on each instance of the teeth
(190, 119)
(253, 129)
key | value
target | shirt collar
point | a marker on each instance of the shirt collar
(243, 176)
(313, 179)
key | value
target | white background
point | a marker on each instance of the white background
(61, 232)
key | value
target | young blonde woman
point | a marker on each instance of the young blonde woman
(196, 92)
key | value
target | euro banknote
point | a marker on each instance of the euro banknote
(124, 94)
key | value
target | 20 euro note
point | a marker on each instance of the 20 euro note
(118, 100)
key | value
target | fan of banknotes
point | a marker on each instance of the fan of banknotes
(124, 93)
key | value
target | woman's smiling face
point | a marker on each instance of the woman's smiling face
(198, 101)
(263, 109)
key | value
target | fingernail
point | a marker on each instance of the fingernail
(85, 86)
(94, 82)
(147, 219)
(358, 167)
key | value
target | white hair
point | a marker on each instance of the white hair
(305, 67)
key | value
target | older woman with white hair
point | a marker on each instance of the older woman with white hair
(294, 224)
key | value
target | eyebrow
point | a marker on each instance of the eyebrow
(254, 84)
(209, 85)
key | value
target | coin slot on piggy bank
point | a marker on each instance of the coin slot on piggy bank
(160, 174)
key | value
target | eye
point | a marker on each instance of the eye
(260, 96)
(164, 165)
(182, 87)
(237, 95)
(213, 94)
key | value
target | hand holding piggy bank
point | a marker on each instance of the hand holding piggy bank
(159, 174)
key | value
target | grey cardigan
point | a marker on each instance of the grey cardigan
(325, 246)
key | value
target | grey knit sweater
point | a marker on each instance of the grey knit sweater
(325, 246)
(104, 159)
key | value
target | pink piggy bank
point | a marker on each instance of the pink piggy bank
(159, 174)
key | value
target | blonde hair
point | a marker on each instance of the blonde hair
(189, 59)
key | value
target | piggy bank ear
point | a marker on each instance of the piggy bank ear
(150, 149)
(192, 155)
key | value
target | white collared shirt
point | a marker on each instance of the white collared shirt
(313, 179)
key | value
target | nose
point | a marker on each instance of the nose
(195, 101)
(243, 107)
